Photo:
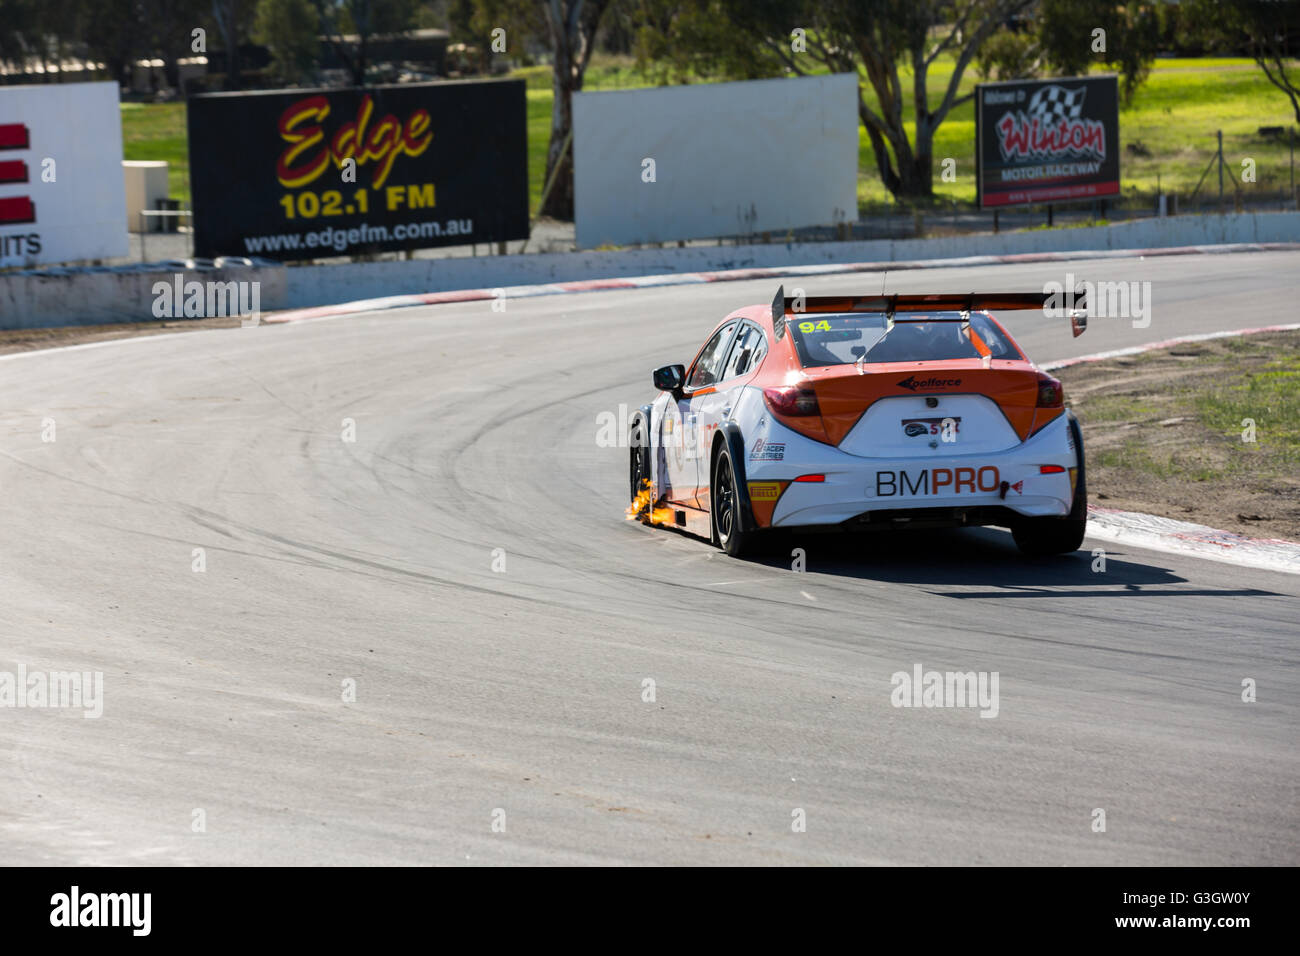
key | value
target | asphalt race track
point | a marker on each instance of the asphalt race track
(521, 690)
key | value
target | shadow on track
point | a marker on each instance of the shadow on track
(972, 557)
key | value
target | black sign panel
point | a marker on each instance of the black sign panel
(1039, 141)
(435, 164)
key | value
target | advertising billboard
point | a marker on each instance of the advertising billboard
(1041, 141)
(714, 159)
(62, 195)
(306, 174)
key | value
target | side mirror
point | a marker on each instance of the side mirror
(670, 378)
(1079, 314)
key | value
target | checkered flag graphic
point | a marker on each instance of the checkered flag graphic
(1055, 103)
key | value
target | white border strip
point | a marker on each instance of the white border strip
(1184, 537)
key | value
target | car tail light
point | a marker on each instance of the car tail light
(811, 478)
(792, 401)
(1050, 470)
(1050, 393)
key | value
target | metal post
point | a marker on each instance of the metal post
(1220, 171)
(1049, 214)
(1293, 196)
(995, 220)
(191, 198)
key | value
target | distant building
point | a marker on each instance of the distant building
(416, 51)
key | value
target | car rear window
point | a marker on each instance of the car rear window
(840, 339)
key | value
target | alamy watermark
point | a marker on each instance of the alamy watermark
(179, 299)
(1102, 300)
(53, 689)
(923, 688)
(124, 910)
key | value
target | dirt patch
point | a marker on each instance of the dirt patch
(1206, 432)
(26, 340)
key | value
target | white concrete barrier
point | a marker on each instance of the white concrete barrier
(712, 159)
(56, 297)
(343, 283)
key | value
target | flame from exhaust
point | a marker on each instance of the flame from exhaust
(644, 506)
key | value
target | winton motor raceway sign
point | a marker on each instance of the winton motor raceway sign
(308, 174)
(1041, 141)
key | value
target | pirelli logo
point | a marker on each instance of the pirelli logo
(937, 481)
(764, 490)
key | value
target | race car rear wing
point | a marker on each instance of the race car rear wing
(962, 302)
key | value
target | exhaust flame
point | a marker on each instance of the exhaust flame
(644, 506)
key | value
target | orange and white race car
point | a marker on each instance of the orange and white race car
(859, 413)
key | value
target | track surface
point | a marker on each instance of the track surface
(522, 690)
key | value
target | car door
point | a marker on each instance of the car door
(712, 406)
(680, 434)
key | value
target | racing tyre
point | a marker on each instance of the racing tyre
(639, 466)
(725, 507)
(1044, 536)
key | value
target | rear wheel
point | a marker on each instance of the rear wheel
(1043, 536)
(724, 497)
(639, 465)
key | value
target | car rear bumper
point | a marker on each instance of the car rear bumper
(930, 490)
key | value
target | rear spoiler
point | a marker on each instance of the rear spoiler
(964, 302)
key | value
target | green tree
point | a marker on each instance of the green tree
(41, 33)
(1075, 35)
(1009, 54)
(288, 28)
(18, 32)
(891, 44)
(569, 28)
(166, 28)
(115, 35)
(1267, 30)
(234, 22)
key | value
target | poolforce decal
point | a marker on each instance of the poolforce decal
(912, 383)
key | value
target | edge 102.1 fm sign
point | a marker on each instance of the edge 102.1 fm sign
(307, 174)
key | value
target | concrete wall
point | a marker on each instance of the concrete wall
(728, 159)
(79, 297)
(371, 280)
(84, 297)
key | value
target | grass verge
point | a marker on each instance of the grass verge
(1206, 432)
